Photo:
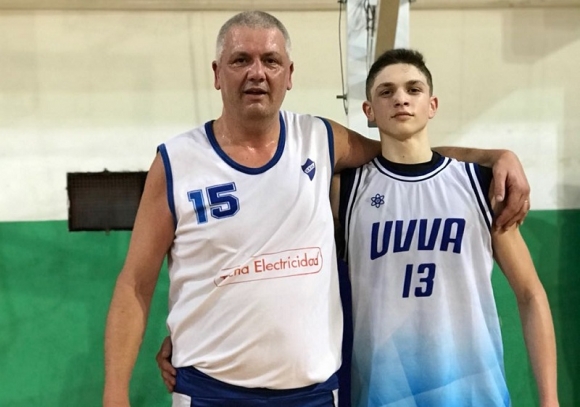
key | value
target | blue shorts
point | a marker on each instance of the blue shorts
(196, 389)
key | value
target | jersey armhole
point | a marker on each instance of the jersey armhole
(484, 176)
(162, 149)
(330, 135)
(345, 205)
(480, 178)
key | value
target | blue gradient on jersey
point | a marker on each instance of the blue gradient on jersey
(414, 369)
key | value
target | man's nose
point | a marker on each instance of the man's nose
(256, 70)
(401, 98)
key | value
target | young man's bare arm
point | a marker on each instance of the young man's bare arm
(513, 257)
(152, 237)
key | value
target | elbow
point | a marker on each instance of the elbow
(534, 296)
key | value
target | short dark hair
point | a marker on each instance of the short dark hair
(398, 56)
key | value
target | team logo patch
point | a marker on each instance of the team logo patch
(377, 200)
(309, 168)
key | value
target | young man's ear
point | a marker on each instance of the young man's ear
(433, 106)
(368, 111)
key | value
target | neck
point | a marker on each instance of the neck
(413, 150)
(259, 132)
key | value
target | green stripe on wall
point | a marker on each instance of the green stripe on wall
(55, 289)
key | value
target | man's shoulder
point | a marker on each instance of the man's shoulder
(301, 117)
(196, 132)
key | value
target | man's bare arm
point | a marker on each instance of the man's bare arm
(352, 149)
(510, 180)
(152, 236)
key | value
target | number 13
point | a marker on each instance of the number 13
(426, 287)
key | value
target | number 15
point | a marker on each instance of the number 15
(222, 203)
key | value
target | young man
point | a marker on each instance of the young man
(240, 206)
(420, 247)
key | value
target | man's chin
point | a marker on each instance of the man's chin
(257, 112)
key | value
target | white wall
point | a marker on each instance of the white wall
(510, 79)
(85, 91)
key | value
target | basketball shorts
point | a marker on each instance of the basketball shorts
(196, 389)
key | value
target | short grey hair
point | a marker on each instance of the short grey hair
(251, 19)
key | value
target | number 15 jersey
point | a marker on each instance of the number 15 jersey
(418, 245)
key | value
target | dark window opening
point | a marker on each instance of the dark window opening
(103, 200)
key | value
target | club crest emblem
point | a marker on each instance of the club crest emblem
(309, 168)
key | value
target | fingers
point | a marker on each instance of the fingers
(168, 373)
(163, 359)
(166, 348)
(515, 210)
(499, 178)
(168, 380)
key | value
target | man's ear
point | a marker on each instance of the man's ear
(368, 111)
(289, 84)
(214, 67)
(433, 106)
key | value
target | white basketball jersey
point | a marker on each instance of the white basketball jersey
(254, 296)
(426, 330)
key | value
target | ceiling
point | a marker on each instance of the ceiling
(290, 5)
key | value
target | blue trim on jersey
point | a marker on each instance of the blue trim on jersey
(485, 176)
(205, 391)
(481, 205)
(344, 373)
(383, 166)
(242, 168)
(169, 180)
(351, 195)
(330, 143)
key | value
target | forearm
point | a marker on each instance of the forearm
(540, 341)
(485, 157)
(126, 323)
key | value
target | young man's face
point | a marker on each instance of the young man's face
(254, 72)
(401, 104)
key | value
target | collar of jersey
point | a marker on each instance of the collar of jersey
(411, 172)
(242, 168)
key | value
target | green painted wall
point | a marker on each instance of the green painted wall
(553, 238)
(55, 289)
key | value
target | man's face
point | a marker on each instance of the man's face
(400, 103)
(254, 72)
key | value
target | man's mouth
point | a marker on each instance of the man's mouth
(255, 91)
